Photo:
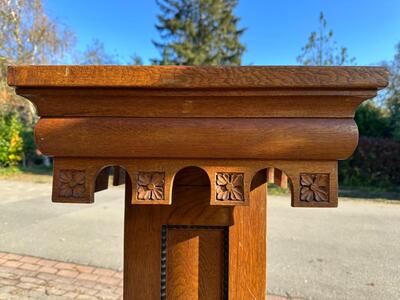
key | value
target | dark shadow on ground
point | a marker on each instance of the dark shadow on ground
(368, 194)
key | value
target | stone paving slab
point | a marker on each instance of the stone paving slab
(27, 277)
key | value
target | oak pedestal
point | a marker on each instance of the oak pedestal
(196, 147)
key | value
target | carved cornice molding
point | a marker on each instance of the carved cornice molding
(312, 183)
(225, 120)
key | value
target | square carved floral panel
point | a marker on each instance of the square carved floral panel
(229, 187)
(314, 187)
(150, 186)
(71, 183)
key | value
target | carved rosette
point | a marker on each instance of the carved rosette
(71, 183)
(229, 187)
(314, 187)
(150, 186)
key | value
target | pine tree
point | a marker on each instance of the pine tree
(96, 54)
(322, 49)
(199, 32)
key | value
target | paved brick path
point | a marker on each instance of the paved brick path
(32, 278)
(26, 277)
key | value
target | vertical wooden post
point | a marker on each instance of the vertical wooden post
(248, 246)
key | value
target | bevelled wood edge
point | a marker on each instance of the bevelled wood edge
(75, 178)
(198, 77)
(113, 102)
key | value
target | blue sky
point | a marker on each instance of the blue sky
(276, 30)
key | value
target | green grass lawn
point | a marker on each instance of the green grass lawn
(34, 173)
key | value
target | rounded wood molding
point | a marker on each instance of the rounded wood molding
(272, 138)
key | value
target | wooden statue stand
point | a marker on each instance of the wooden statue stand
(196, 147)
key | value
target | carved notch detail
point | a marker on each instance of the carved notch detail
(229, 187)
(314, 187)
(150, 186)
(71, 183)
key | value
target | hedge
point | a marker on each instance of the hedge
(375, 163)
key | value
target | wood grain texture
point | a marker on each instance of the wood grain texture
(195, 257)
(142, 250)
(308, 139)
(195, 263)
(143, 244)
(198, 77)
(248, 247)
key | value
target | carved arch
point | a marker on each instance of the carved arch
(100, 180)
(272, 174)
(191, 176)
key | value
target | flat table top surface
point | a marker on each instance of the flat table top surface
(198, 77)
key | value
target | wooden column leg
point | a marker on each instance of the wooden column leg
(142, 244)
(247, 245)
(183, 245)
(177, 252)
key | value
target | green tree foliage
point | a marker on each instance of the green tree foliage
(372, 120)
(199, 32)
(11, 141)
(28, 36)
(322, 49)
(372, 164)
(375, 164)
(393, 94)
